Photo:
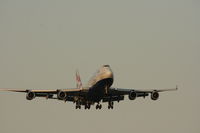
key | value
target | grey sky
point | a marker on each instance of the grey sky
(149, 44)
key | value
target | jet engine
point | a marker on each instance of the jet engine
(132, 95)
(61, 95)
(154, 95)
(30, 95)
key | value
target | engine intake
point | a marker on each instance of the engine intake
(154, 95)
(61, 95)
(30, 95)
(132, 95)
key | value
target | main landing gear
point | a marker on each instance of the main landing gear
(78, 105)
(87, 106)
(98, 106)
(110, 105)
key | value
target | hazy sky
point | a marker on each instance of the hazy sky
(148, 44)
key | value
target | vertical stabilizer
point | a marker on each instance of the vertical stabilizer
(78, 81)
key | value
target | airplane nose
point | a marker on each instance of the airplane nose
(109, 74)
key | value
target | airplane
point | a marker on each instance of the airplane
(97, 90)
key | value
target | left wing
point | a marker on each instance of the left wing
(61, 94)
(117, 94)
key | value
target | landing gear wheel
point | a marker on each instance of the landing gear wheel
(78, 105)
(98, 106)
(87, 106)
(110, 105)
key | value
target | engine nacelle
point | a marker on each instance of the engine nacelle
(61, 95)
(30, 95)
(132, 95)
(154, 95)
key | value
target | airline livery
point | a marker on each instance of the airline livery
(96, 91)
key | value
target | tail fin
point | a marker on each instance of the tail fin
(78, 81)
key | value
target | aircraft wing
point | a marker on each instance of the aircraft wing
(41, 90)
(13, 90)
(117, 94)
(126, 91)
(61, 94)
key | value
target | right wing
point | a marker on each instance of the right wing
(117, 94)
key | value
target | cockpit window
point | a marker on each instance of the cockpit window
(106, 66)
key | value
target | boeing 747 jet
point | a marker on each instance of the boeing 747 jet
(97, 90)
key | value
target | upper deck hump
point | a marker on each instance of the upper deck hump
(105, 72)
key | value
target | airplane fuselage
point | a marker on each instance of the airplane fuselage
(100, 84)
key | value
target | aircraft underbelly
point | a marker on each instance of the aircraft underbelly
(97, 91)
